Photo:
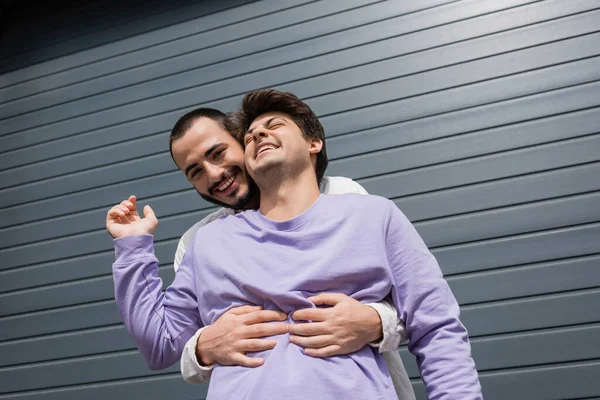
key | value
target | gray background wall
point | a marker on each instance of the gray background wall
(479, 118)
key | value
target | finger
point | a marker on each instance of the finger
(330, 299)
(256, 345)
(264, 316)
(308, 329)
(116, 212)
(243, 310)
(132, 199)
(311, 314)
(245, 361)
(130, 206)
(313, 341)
(264, 330)
(332, 350)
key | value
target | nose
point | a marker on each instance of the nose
(213, 172)
(260, 132)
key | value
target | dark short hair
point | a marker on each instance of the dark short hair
(259, 102)
(185, 123)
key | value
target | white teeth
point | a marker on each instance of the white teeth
(266, 147)
(226, 184)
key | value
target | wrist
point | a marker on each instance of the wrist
(203, 355)
(375, 330)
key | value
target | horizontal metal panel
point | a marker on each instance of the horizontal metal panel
(164, 206)
(63, 22)
(179, 91)
(532, 247)
(507, 283)
(254, 35)
(171, 74)
(515, 220)
(150, 388)
(128, 364)
(499, 193)
(59, 320)
(203, 16)
(65, 345)
(69, 293)
(102, 197)
(552, 382)
(128, 19)
(90, 242)
(449, 77)
(489, 141)
(462, 97)
(528, 349)
(579, 150)
(538, 312)
(484, 168)
(86, 266)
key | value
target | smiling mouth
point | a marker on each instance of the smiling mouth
(227, 185)
(265, 148)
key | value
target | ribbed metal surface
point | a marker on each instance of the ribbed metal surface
(480, 118)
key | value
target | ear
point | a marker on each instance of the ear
(315, 146)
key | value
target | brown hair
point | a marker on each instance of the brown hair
(186, 122)
(261, 101)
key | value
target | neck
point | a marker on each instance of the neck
(253, 204)
(283, 199)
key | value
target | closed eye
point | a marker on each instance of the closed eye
(195, 173)
(217, 154)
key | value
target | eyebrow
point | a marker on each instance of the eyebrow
(249, 131)
(207, 154)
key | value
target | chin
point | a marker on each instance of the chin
(266, 166)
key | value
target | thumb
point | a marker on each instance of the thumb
(149, 214)
(330, 299)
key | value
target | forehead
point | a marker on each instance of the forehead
(203, 133)
(264, 118)
(201, 136)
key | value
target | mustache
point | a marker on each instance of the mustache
(226, 175)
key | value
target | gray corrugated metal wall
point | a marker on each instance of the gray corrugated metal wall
(480, 118)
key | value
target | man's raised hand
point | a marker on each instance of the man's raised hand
(124, 220)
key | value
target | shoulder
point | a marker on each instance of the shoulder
(188, 236)
(340, 185)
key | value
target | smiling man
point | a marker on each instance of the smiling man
(203, 146)
(297, 244)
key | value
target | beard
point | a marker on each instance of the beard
(239, 201)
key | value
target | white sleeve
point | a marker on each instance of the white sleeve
(189, 234)
(191, 370)
(179, 253)
(394, 331)
(341, 185)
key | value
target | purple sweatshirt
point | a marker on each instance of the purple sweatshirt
(359, 245)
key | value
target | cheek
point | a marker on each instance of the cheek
(201, 186)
